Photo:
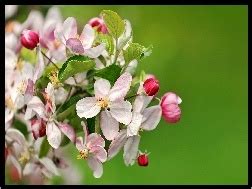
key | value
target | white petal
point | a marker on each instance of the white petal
(131, 150)
(133, 127)
(29, 168)
(101, 88)
(68, 131)
(116, 145)
(151, 117)
(49, 165)
(87, 107)
(121, 87)
(99, 152)
(60, 95)
(94, 139)
(94, 52)
(109, 125)
(132, 67)
(69, 28)
(10, 59)
(121, 111)
(87, 36)
(34, 106)
(53, 135)
(39, 67)
(16, 136)
(141, 102)
(96, 166)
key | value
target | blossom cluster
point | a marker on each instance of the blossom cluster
(78, 88)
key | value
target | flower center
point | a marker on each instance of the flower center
(21, 88)
(103, 102)
(83, 154)
(24, 158)
(9, 103)
(56, 44)
(53, 76)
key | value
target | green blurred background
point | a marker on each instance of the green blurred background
(201, 53)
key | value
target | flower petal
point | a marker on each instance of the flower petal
(121, 87)
(79, 144)
(87, 107)
(99, 152)
(151, 117)
(49, 165)
(116, 144)
(121, 111)
(69, 28)
(131, 150)
(141, 102)
(29, 168)
(87, 36)
(96, 166)
(75, 45)
(94, 52)
(133, 127)
(16, 165)
(29, 91)
(109, 125)
(53, 135)
(95, 139)
(39, 67)
(68, 131)
(101, 88)
(34, 106)
(16, 135)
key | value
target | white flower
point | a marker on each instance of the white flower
(111, 103)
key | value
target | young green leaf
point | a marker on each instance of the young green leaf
(113, 22)
(111, 73)
(44, 149)
(133, 51)
(109, 42)
(91, 124)
(75, 64)
(21, 126)
(146, 52)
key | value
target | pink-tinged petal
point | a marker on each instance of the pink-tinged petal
(151, 117)
(16, 135)
(79, 144)
(75, 45)
(95, 165)
(39, 67)
(131, 150)
(38, 127)
(170, 98)
(29, 91)
(16, 165)
(121, 87)
(101, 88)
(35, 106)
(109, 125)
(53, 135)
(116, 144)
(141, 102)
(68, 131)
(99, 152)
(133, 127)
(87, 107)
(87, 36)
(49, 165)
(94, 52)
(69, 28)
(171, 113)
(95, 139)
(121, 111)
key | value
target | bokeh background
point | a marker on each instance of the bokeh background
(201, 53)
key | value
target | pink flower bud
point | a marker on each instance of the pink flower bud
(38, 128)
(170, 109)
(29, 39)
(143, 160)
(151, 86)
(99, 24)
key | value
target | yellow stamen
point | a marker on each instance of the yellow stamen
(24, 158)
(83, 154)
(22, 87)
(9, 103)
(103, 102)
(53, 76)
(10, 26)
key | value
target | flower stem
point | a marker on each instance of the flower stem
(49, 60)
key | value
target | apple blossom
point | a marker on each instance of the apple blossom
(151, 86)
(98, 24)
(29, 39)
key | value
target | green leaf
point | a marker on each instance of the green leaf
(75, 122)
(114, 23)
(44, 149)
(75, 64)
(146, 52)
(109, 42)
(65, 141)
(42, 82)
(72, 101)
(133, 51)
(28, 55)
(21, 126)
(111, 73)
(91, 124)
